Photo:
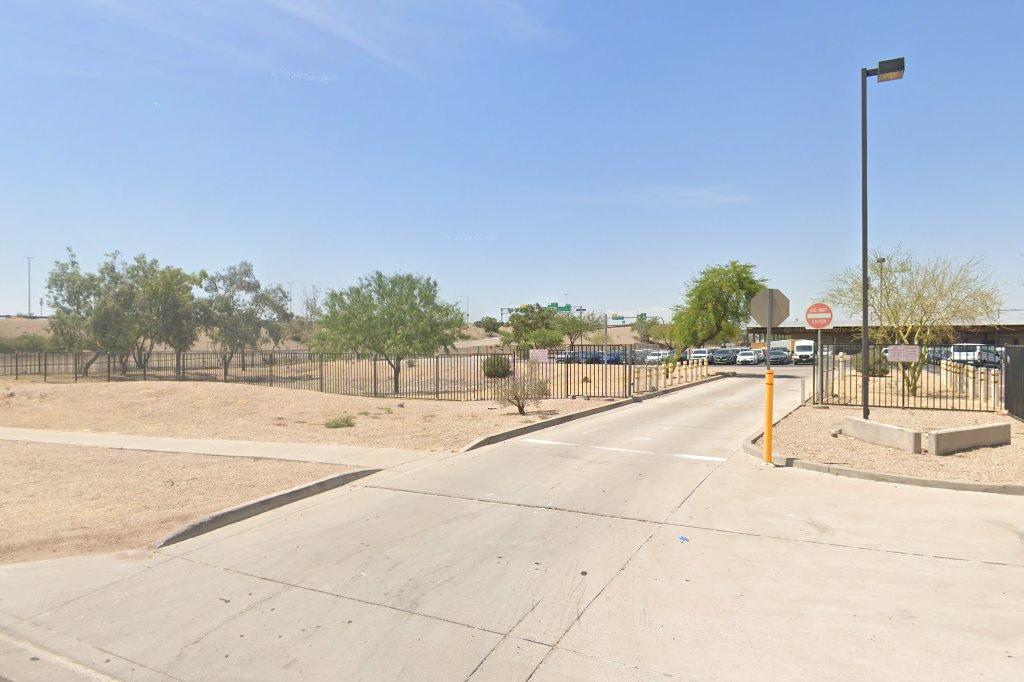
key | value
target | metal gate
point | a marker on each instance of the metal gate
(932, 381)
(1015, 381)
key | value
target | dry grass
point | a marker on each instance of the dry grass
(240, 412)
(806, 434)
(60, 500)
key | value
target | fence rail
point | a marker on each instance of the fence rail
(583, 371)
(934, 381)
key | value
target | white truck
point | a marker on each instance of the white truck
(803, 352)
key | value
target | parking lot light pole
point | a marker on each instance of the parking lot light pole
(889, 70)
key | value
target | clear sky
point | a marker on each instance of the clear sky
(516, 151)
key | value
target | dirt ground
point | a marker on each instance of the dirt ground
(60, 500)
(806, 434)
(240, 412)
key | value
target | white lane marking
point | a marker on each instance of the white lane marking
(701, 458)
(539, 441)
(637, 452)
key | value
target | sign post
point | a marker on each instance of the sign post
(769, 307)
(819, 316)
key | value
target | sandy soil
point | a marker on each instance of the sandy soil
(806, 434)
(239, 412)
(60, 500)
(20, 326)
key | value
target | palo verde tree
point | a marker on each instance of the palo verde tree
(642, 328)
(392, 316)
(716, 304)
(110, 311)
(239, 312)
(917, 302)
(533, 326)
(177, 314)
(490, 325)
(575, 327)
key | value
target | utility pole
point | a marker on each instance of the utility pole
(29, 259)
(291, 306)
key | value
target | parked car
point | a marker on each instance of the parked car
(700, 354)
(760, 354)
(936, 354)
(722, 356)
(746, 357)
(780, 356)
(976, 354)
(656, 357)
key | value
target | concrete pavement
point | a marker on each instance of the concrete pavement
(558, 556)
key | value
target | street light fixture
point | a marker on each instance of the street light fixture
(888, 70)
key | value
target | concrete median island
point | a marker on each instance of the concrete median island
(822, 440)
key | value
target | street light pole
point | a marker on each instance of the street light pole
(891, 69)
(29, 259)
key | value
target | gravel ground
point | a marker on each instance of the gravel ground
(60, 500)
(240, 412)
(806, 433)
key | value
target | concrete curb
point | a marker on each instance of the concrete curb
(530, 428)
(226, 517)
(757, 452)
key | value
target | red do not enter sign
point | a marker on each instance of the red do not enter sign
(819, 316)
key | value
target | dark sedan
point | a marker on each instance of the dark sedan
(723, 356)
(780, 356)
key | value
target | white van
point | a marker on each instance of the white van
(803, 351)
(976, 354)
(699, 354)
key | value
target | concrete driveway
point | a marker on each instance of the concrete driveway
(633, 545)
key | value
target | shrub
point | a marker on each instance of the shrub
(490, 325)
(497, 366)
(522, 391)
(342, 422)
(878, 364)
(26, 343)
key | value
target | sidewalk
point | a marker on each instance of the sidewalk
(380, 458)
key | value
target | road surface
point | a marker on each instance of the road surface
(639, 544)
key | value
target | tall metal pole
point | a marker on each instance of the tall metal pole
(768, 336)
(29, 259)
(864, 361)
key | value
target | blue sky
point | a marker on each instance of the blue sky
(516, 151)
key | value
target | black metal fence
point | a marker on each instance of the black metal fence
(613, 371)
(1014, 365)
(932, 377)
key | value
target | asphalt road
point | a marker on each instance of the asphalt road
(635, 545)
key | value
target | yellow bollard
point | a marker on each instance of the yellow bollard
(769, 394)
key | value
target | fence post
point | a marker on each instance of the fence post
(271, 369)
(45, 365)
(108, 368)
(437, 377)
(321, 358)
(75, 364)
(374, 376)
(15, 365)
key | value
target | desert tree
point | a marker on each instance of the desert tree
(177, 313)
(490, 325)
(917, 301)
(716, 304)
(642, 328)
(575, 327)
(238, 312)
(391, 316)
(104, 312)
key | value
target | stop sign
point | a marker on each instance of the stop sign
(819, 316)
